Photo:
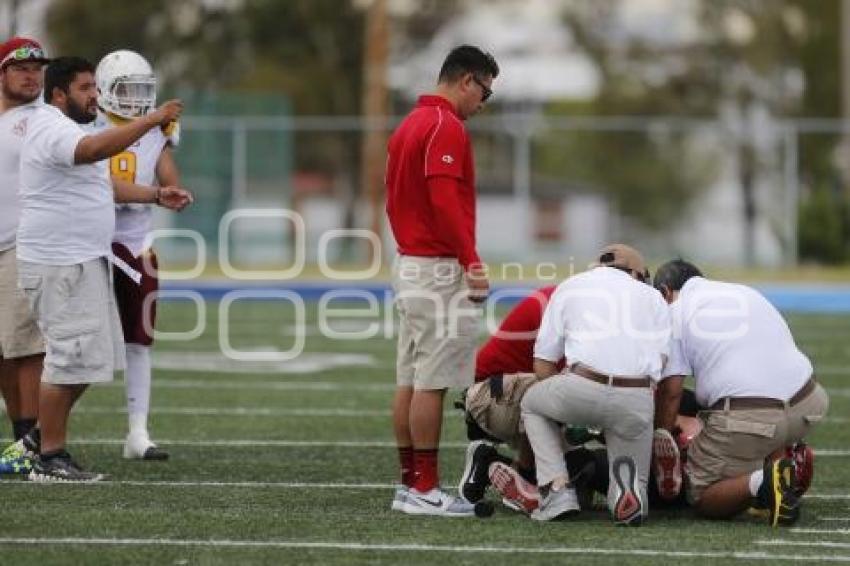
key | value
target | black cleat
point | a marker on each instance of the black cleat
(474, 481)
(155, 453)
(61, 468)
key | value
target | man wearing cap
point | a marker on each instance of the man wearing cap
(759, 389)
(613, 331)
(62, 265)
(21, 347)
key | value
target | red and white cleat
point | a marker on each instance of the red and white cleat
(667, 464)
(516, 492)
(804, 465)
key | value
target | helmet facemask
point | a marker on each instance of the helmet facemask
(130, 96)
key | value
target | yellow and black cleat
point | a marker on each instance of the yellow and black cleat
(783, 505)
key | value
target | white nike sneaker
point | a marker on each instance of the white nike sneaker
(399, 498)
(436, 502)
(557, 505)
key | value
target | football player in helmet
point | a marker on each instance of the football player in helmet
(127, 90)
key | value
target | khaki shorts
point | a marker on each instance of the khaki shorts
(19, 335)
(76, 312)
(500, 417)
(438, 328)
(734, 443)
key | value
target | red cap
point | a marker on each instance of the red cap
(22, 49)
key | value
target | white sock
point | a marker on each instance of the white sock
(138, 381)
(756, 479)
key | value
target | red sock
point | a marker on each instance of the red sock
(426, 464)
(405, 460)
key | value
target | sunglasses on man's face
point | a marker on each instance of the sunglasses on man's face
(486, 92)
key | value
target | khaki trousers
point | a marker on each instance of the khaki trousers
(625, 415)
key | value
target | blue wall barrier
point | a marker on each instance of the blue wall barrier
(792, 298)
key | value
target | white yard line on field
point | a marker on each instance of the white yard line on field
(223, 484)
(466, 549)
(239, 412)
(803, 543)
(808, 531)
(248, 443)
(281, 385)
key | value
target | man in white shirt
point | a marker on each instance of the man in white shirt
(758, 387)
(64, 235)
(613, 331)
(21, 347)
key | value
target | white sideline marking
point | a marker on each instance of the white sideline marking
(819, 543)
(236, 443)
(828, 495)
(261, 412)
(251, 484)
(241, 412)
(569, 550)
(217, 362)
(282, 385)
(820, 531)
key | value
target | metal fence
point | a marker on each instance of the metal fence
(549, 188)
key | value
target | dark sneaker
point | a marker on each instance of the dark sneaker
(582, 482)
(140, 447)
(60, 469)
(777, 493)
(474, 480)
(628, 505)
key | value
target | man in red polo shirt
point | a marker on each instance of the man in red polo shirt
(438, 275)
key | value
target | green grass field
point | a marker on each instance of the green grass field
(293, 462)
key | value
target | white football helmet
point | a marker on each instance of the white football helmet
(126, 85)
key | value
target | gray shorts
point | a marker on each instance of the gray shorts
(19, 335)
(75, 309)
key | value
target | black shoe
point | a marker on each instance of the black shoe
(155, 453)
(581, 482)
(60, 468)
(777, 493)
(474, 481)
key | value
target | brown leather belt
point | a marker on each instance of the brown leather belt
(744, 403)
(594, 375)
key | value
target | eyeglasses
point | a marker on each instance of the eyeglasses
(486, 92)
